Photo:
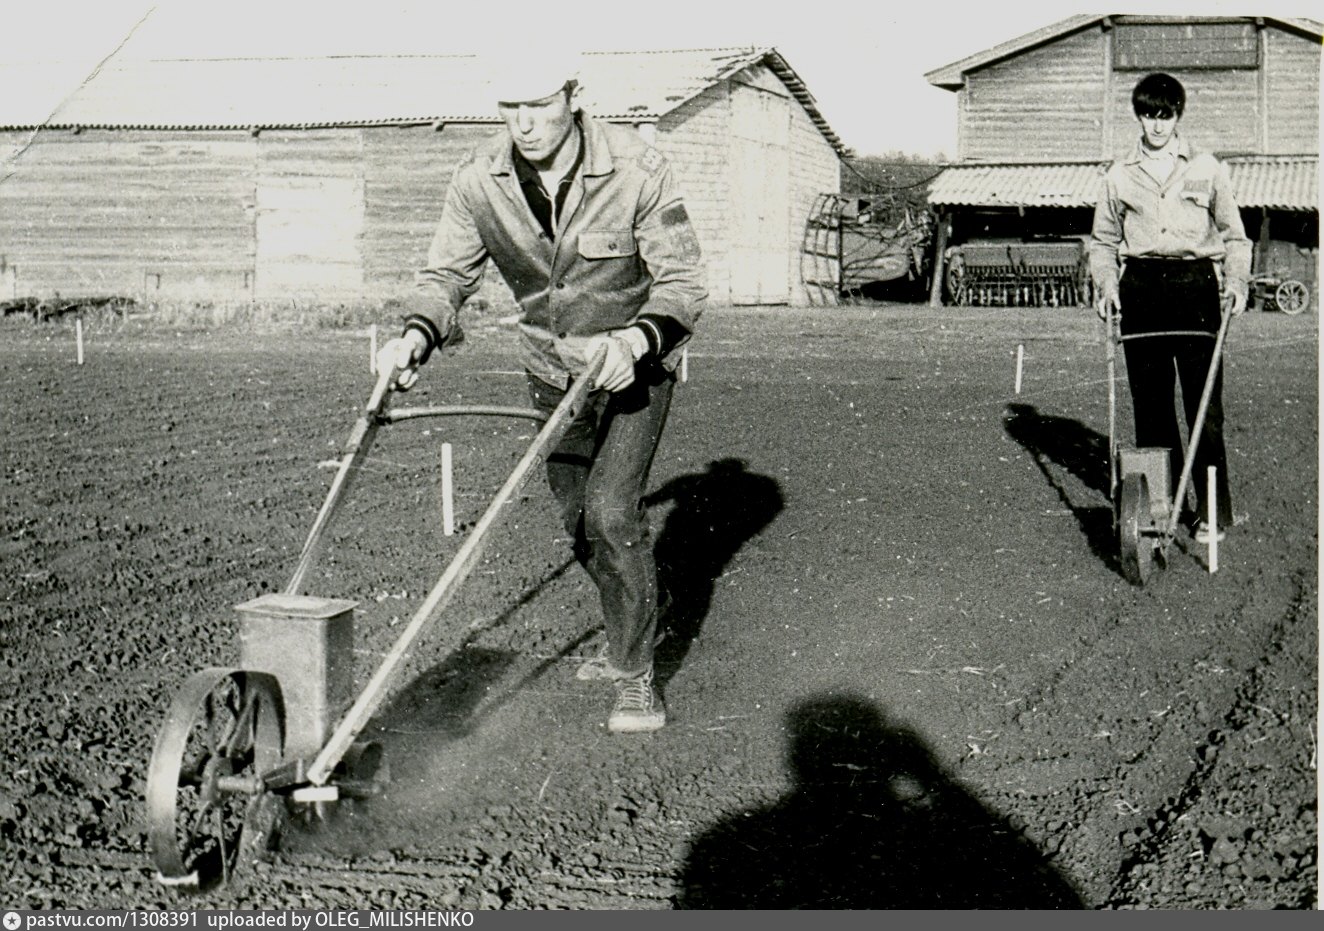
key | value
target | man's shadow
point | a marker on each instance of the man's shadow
(714, 514)
(872, 821)
(1082, 452)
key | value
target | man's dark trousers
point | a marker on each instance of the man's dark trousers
(597, 474)
(1159, 295)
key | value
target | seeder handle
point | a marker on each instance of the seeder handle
(356, 450)
(1198, 427)
(1111, 351)
(459, 568)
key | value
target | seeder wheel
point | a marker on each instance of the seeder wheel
(1134, 519)
(207, 811)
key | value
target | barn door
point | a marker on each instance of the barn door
(310, 214)
(760, 260)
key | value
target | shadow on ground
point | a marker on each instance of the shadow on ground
(714, 514)
(872, 821)
(1083, 453)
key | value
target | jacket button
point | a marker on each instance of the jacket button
(562, 335)
(560, 286)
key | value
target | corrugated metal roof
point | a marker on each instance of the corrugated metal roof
(1276, 182)
(357, 90)
(1061, 185)
(1285, 182)
(952, 77)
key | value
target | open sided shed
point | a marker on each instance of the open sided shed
(322, 179)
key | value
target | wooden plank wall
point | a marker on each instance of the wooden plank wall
(342, 214)
(1044, 105)
(141, 214)
(407, 171)
(1047, 103)
(1292, 93)
(1222, 110)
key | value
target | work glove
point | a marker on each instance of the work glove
(617, 372)
(404, 353)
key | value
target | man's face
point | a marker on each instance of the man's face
(540, 127)
(1158, 130)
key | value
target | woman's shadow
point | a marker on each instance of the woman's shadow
(872, 821)
(1080, 451)
(714, 514)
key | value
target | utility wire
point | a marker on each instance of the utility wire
(894, 187)
(11, 162)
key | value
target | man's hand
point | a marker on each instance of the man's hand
(623, 350)
(403, 353)
(1106, 300)
(1234, 301)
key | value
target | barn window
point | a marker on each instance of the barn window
(1185, 46)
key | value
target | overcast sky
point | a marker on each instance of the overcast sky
(863, 61)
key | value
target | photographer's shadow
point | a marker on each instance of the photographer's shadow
(1080, 451)
(714, 514)
(872, 821)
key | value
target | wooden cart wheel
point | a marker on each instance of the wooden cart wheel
(207, 811)
(1291, 297)
(1134, 517)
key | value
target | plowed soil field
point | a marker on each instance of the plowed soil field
(903, 668)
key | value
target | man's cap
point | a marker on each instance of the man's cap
(524, 75)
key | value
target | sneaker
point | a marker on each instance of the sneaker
(638, 706)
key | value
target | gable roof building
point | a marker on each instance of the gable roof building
(1042, 115)
(321, 178)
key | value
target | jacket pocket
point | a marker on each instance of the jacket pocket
(606, 244)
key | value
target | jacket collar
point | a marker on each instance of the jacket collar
(1184, 150)
(595, 155)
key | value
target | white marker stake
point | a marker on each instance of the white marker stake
(685, 365)
(372, 348)
(78, 335)
(1020, 364)
(447, 492)
(1212, 497)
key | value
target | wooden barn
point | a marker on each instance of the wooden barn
(1040, 118)
(322, 179)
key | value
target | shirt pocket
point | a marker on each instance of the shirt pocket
(607, 244)
(1197, 192)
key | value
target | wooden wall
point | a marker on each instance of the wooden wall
(1222, 111)
(1292, 93)
(329, 215)
(1045, 105)
(407, 171)
(1070, 100)
(106, 213)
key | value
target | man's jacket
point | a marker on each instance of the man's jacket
(624, 248)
